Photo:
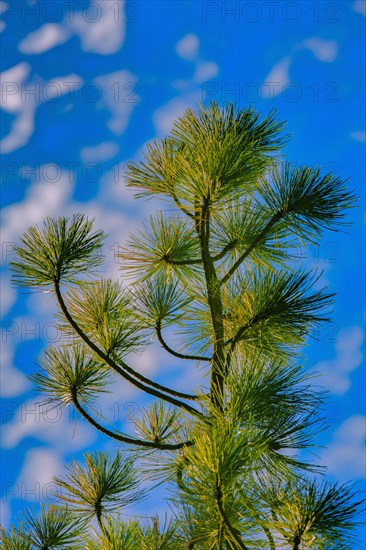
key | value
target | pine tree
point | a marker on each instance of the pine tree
(215, 268)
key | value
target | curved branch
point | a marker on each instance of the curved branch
(179, 472)
(181, 206)
(269, 537)
(124, 438)
(175, 353)
(225, 250)
(233, 341)
(124, 372)
(234, 532)
(101, 523)
(195, 261)
(262, 525)
(256, 241)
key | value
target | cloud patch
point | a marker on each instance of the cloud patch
(56, 427)
(22, 97)
(119, 97)
(99, 153)
(279, 75)
(323, 50)
(187, 47)
(348, 357)
(345, 456)
(13, 382)
(358, 135)
(100, 28)
(359, 6)
(43, 39)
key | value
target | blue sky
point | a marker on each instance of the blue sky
(85, 85)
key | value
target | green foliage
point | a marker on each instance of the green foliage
(13, 541)
(64, 249)
(163, 246)
(103, 486)
(104, 312)
(215, 273)
(54, 528)
(314, 513)
(272, 311)
(160, 424)
(214, 154)
(309, 200)
(129, 535)
(160, 300)
(69, 372)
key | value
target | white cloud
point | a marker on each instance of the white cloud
(348, 357)
(55, 427)
(22, 97)
(190, 90)
(21, 130)
(278, 77)
(7, 290)
(205, 70)
(187, 47)
(345, 456)
(101, 28)
(164, 117)
(46, 37)
(99, 153)
(358, 135)
(324, 50)
(119, 96)
(359, 6)
(13, 382)
(40, 465)
(48, 196)
(57, 87)
(3, 7)
(12, 80)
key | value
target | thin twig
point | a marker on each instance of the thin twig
(256, 241)
(127, 439)
(234, 532)
(176, 353)
(122, 371)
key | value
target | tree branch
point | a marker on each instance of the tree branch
(124, 372)
(215, 305)
(175, 353)
(225, 250)
(234, 532)
(233, 341)
(268, 533)
(197, 261)
(101, 522)
(256, 241)
(181, 206)
(124, 438)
